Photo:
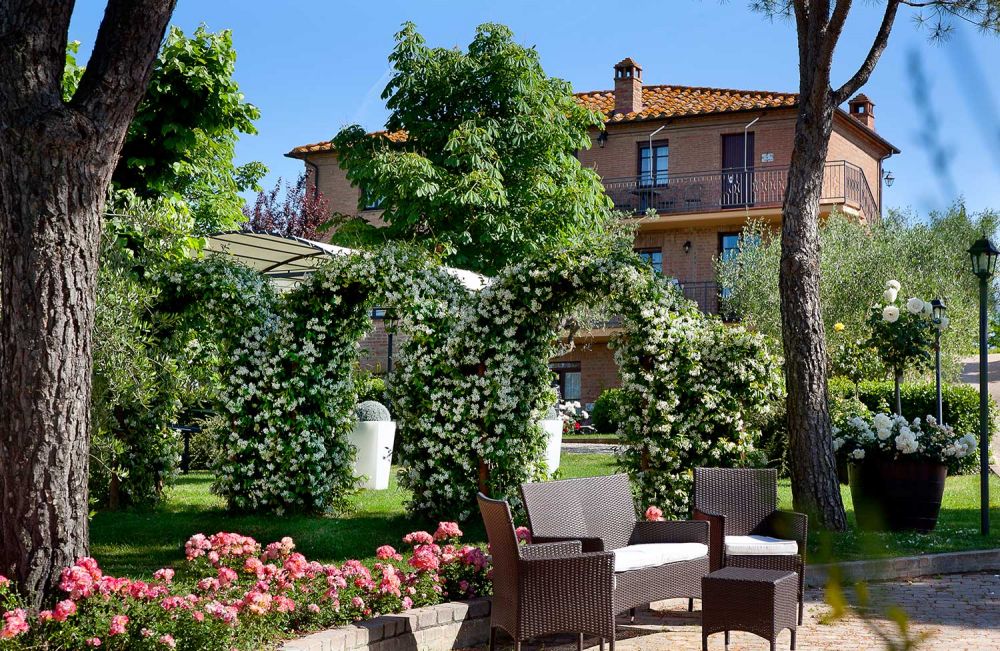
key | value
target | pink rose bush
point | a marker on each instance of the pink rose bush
(654, 514)
(232, 593)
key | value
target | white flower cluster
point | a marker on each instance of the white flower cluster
(914, 305)
(894, 437)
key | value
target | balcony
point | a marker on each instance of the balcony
(844, 184)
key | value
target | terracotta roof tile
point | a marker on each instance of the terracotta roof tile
(657, 101)
(327, 145)
(677, 101)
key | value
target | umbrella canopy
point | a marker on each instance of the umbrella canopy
(289, 260)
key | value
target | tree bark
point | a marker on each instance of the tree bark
(56, 161)
(813, 467)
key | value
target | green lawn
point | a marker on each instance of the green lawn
(138, 542)
(133, 543)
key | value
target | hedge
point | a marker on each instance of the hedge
(605, 416)
(960, 404)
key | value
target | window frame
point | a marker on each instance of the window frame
(559, 370)
(657, 179)
(649, 250)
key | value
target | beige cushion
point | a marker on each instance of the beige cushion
(760, 546)
(635, 557)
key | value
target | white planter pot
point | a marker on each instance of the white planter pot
(373, 461)
(553, 429)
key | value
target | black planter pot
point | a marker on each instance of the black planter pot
(897, 495)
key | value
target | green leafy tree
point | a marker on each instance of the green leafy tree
(928, 254)
(486, 172)
(182, 141)
(819, 25)
(142, 370)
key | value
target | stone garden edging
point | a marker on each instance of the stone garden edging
(442, 627)
(904, 567)
(459, 624)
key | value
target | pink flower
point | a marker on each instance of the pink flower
(257, 602)
(407, 603)
(523, 534)
(313, 608)
(358, 602)
(167, 640)
(4, 581)
(475, 557)
(447, 530)
(63, 610)
(118, 624)
(146, 632)
(654, 514)
(94, 641)
(388, 552)
(165, 574)
(227, 576)
(77, 581)
(296, 565)
(418, 538)
(227, 614)
(15, 622)
(198, 616)
(425, 558)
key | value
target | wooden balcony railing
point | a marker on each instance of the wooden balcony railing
(764, 187)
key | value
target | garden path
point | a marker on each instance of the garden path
(958, 612)
(970, 375)
(588, 448)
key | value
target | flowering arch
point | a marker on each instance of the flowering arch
(469, 397)
(287, 399)
(472, 378)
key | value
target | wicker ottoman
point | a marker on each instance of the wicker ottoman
(762, 602)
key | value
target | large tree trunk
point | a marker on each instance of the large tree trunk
(56, 161)
(813, 467)
(53, 197)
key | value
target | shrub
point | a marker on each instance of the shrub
(960, 401)
(696, 393)
(606, 415)
(369, 386)
(232, 593)
(372, 411)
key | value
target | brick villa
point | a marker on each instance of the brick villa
(692, 165)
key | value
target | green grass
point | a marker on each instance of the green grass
(135, 543)
(957, 528)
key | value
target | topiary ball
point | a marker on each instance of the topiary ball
(551, 413)
(370, 410)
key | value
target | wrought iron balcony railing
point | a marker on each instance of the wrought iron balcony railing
(763, 187)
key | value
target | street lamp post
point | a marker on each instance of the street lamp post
(984, 261)
(938, 309)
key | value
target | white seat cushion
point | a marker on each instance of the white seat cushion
(760, 546)
(635, 557)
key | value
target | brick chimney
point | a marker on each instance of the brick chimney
(628, 86)
(862, 109)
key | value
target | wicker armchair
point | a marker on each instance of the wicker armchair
(747, 529)
(599, 512)
(548, 588)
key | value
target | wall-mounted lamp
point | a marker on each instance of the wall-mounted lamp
(888, 178)
(602, 139)
(687, 246)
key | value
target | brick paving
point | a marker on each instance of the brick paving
(959, 613)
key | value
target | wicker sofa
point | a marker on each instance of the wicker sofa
(652, 560)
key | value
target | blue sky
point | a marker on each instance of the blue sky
(314, 66)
